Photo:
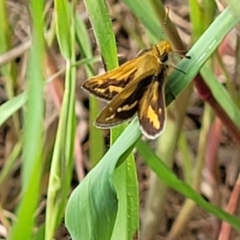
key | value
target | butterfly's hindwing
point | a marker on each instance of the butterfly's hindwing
(151, 112)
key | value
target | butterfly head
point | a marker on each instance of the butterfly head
(163, 48)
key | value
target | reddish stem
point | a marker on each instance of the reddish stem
(206, 94)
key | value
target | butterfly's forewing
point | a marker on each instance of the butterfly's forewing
(124, 105)
(151, 111)
(109, 84)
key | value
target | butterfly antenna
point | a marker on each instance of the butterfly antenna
(182, 55)
(165, 20)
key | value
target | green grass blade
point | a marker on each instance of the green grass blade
(94, 201)
(145, 13)
(63, 21)
(62, 160)
(95, 134)
(172, 181)
(221, 95)
(33, 127)
(124, 181)
(8, 70)
(102, 28)
(200, 52)
(11, 106)
(196, 16)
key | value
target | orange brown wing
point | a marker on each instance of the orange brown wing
(109, 84)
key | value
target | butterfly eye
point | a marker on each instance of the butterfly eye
(164, 57)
